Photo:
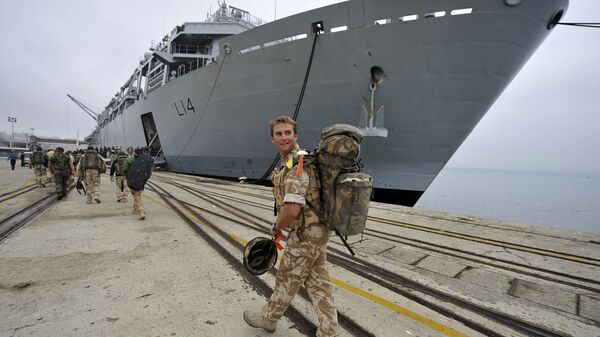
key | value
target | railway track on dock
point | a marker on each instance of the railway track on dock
(540, 272)
(19, 191)
(426, 296)
(302, 323)
(18, 219)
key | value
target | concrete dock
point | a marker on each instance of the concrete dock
(96, 270)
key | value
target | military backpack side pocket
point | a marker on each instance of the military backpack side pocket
(351, 204)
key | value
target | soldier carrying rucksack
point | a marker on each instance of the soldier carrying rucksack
(118, 169)
(138, 170)
(61, 167)
(38, 163)
(90, 166)
(304, 261)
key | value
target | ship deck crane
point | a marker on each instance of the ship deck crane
(87, 110)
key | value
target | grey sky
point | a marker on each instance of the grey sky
(547, 119)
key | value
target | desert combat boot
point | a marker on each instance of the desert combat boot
(255, 319)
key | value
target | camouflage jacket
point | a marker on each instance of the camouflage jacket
(60, 163)
(126, 163)
(289, 187)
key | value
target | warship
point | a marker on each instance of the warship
(415, 76)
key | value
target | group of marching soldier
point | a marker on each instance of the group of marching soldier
(61, 167)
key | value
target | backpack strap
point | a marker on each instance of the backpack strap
(318, 212)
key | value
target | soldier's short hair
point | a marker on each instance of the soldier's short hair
(283, 120)
(60, 149)
(138, 151)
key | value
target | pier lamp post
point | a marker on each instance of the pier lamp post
(31, 136)
(12, 120)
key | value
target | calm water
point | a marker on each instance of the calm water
(568, 201)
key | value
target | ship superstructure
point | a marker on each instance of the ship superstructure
(188, 47)
(416, 76)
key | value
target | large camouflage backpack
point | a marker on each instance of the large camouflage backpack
(37, 158)
(60, 162)
(345, 191)
(90, 160)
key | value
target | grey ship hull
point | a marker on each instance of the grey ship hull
(442, 75)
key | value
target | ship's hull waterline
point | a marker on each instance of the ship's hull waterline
(441, 76)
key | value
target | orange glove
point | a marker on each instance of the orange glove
(278, 238)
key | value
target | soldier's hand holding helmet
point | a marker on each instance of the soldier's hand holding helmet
(275, 230)
(277, 236)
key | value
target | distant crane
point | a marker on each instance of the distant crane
(84, 107)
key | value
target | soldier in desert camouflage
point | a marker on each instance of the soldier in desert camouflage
(304, 260)
(117, 174)
(38, 163)
(90, 166)
(138, 169)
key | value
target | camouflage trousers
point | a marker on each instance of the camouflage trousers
(40, 175)
(304, 263)
(49, 176)
(121, 189)
(61, 181)
(92, 184)
(138, 209)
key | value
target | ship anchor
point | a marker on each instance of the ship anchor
(371, 121)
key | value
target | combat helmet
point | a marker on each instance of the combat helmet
(260, 255)
(79, 187)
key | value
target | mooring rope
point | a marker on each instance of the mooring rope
(278, 157)
(581, 24)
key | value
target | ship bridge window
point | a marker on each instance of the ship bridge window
(437, 14)
(339, 29)
(407, 18)
(461, 11)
